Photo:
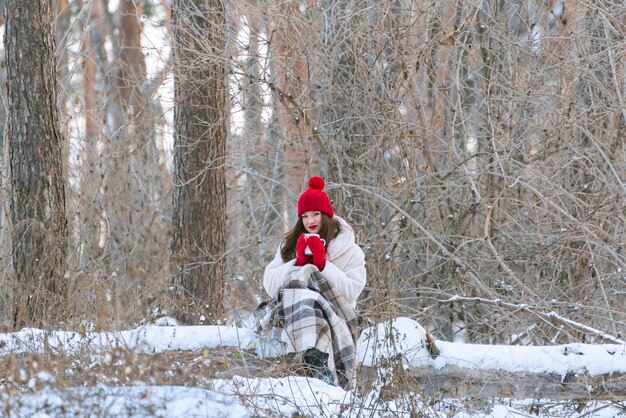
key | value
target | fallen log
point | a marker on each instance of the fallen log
(447, 382)
(458, 382)
(404, 354)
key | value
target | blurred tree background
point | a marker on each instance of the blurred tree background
(477, 148)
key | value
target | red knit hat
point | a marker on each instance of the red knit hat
(314, 198)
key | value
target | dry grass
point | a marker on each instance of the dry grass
(120, 367)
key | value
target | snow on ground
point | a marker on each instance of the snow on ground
(285, 396)
(289, 396)
(134, 401)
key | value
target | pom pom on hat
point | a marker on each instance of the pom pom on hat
(317, 183)
(314, 198)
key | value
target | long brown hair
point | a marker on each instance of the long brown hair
(329, 229)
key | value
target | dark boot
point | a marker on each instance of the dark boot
(316, 363)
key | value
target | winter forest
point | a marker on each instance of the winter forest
(153, 151)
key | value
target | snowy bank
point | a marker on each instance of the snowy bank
(146, 339)
(134, 401)
(401, 337)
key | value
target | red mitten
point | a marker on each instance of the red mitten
(319, 252)
(301, 258)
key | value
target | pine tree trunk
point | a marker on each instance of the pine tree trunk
(133, 183)
(200, 129)
(91, 222)
(36, 165)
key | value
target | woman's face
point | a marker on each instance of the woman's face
(312, 221)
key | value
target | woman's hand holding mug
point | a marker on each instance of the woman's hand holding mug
(307, 238)
(317, 248)
(302, 259)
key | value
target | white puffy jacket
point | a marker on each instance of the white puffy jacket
(345, 266)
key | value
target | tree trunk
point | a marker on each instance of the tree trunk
(125, 203)
(289, 66)
(200, 129)
(93, 225)
(36, 165)
(133, 186)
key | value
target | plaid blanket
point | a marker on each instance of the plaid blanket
(309, 312)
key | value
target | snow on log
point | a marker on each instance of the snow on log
(569, 371)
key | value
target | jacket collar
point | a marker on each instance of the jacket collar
(344, 240)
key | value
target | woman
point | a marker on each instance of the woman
(318, 266)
